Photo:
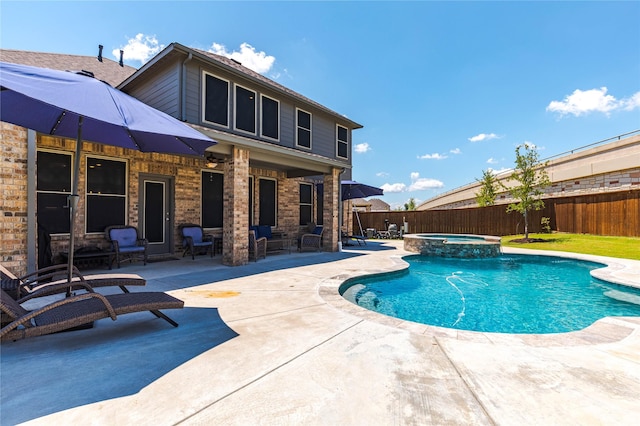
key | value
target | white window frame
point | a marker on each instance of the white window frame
(72, 172)
(262, 97)
(338, 142)
(310, 129)
(204, 99)
(235, 110)
(87, 194)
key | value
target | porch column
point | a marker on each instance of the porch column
(330, 235)
(235, 228)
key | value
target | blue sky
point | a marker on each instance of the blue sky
(444, 90)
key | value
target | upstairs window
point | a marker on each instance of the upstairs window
(342, 142)
(303, 125)
(216, 100)
(306, 203)
(270, 123)
(106, 193)
(245, 110)
(53, 187)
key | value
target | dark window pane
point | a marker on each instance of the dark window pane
(342, 150)
(212, 200)
(216, 105)
(305, 214)
(245, 109)
(250, 200)
(304, 120)
(154, 212)
(304, 138)
(104, 211)
(53, 213)
(319, 205)
(267, 202)
(342, 134)
(270, 118)
(54, 172)
(106, 176)
(305, 194)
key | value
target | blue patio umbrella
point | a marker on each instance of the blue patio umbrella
(76, 105)
(352, 189)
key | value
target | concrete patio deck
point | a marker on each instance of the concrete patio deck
(273, 343)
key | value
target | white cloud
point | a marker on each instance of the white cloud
(456, 151)
(492, 161)
(425, 183)
(582, 102)
(415, 175)
(393, 187)
(382, 174)
(497, 172)
(140, 48)
(362, 148)
(259, 62)
(483, 137)
(434, 156)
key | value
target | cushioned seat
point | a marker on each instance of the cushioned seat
(194, 238)
(126, 243)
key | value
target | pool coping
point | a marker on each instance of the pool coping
(605, 330)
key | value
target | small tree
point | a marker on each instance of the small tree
(487, 195)
(410, 205)
(532, 179)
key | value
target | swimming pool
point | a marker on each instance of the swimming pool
(505, 294)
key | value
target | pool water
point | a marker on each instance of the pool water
(506, 294)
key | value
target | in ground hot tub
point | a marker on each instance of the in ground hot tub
(453, 245)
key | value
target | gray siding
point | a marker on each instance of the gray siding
(163, 92)
(323, 125)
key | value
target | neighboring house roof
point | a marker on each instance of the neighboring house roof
(108, 70)
(374, 204)
(377, 205)
(237, 68)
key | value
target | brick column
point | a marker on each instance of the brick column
(235, 228)
(330, 235)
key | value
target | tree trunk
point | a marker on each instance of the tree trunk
(526, 225)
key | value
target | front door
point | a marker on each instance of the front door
(156, 207)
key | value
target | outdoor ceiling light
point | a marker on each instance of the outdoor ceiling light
(213, 161)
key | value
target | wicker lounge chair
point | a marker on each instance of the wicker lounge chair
(74, 311)
(257, 246)
(18, 287)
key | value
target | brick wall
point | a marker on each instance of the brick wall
(13, 205)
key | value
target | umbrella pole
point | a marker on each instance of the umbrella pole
(73, 203)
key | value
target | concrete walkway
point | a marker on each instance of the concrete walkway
(273, 343)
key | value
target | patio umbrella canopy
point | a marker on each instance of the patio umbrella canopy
(78, 106)
(352, 189)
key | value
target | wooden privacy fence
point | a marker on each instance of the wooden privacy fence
(614, 214)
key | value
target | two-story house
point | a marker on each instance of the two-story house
(279, 161)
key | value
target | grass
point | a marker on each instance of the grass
(623, 247)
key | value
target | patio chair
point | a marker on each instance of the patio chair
(126, 243)
(79, 310)
(312, 240)
(194, 238)
(19, 287)
(257, 246)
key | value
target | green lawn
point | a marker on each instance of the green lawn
(624, 247)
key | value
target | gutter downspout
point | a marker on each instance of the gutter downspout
(183, 88)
